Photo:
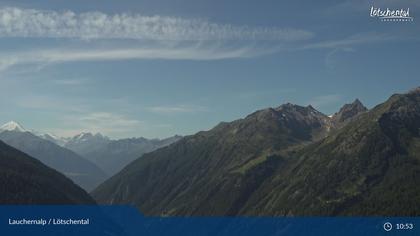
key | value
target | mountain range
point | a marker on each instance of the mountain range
(88, 159)
(112, 155)
(284, 161)
(81, 171)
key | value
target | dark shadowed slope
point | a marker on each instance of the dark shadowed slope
(80, 170)
(25, 180)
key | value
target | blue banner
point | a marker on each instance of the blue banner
(126, 220)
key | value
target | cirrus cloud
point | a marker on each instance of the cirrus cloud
(177, 109)
(134, 36)
(18, 22)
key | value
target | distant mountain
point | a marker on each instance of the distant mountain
(60, 141)
(80, 170)
(348, 112)
(12, 126)
(288, 161)
(25, 180)
(86, 142)
(113, 155)
(104, 156)
(15, 126)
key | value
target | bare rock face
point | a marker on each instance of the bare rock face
(348, 112)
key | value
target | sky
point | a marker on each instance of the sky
(160, 68)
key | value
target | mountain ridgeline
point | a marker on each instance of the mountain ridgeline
(287, 161)
(25, 180)
(112, 155)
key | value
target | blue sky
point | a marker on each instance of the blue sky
(159, 68)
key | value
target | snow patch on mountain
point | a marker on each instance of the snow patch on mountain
(12, 126)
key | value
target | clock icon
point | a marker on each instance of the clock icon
(387, 226)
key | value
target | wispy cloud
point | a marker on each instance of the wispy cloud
(331, 59)
(100, 119)
(361, 38)
(134, 36)
(69, 82)
(347, 44)
(108, 123)
(18, 22)
(176, 109)
(51, 56)
(127, 36)
(77, 115)
(46, 103)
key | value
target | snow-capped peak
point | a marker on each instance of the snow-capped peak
(12, 126)
(84, 136)
(16, 127)
(61, 141)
